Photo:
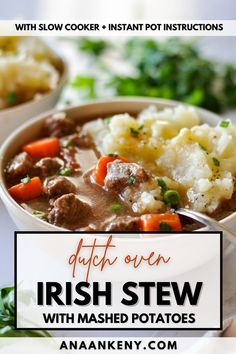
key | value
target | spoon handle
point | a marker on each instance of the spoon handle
(208, 221)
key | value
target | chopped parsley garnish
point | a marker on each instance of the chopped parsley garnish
(136, 131)
(162, 184)
(131, 179)
(164, 226)
(26, 180)
(107, 119)
(68, 144)
(116, 207)
(216, 161)
(11, 98)
(224, 124)
(113, 155)
(65, 171)
(202, 147)
(40, 214)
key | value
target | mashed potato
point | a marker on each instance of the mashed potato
(197, 160)
(27, 69)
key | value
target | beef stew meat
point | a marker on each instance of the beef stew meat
(67, 210)
(59, 125)
(120, 175)
(54, 187)
(20, 166)
(69, 155)
(75, 188)
(48, 166)
(79, 139)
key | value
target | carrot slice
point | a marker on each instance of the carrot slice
(160, 222)
(48, 147)
(23, 192)
(100, 170)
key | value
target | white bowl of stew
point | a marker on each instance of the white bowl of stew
(25, 219)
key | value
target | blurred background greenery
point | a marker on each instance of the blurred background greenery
(172, 68)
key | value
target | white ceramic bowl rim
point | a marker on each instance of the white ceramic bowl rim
(5, 194)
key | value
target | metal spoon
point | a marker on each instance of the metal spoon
(212, 224)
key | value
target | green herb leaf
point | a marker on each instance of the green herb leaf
(113, 155)
(164, 226)
(25, 180)
(65, 171)
(134, 132)
(173, 69)
(172, 198)
(224, 124)
(11, 98)
(162, 184)
(107, 119)
(216, 161)
(93, 46)
(68, 144)
(7, 317)
(202, 147)
(116, 207)
(85, 83)
(7, 301)
(131, 179)
(40, 214)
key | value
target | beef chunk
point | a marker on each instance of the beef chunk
(19, 167)
(120, 175)
(83, 140)
(48, 166)
(71, 159)
(123, 223)
(57, 186)
(59, 125)
(80, 140)
(68, 210)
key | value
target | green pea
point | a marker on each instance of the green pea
(172, 198)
